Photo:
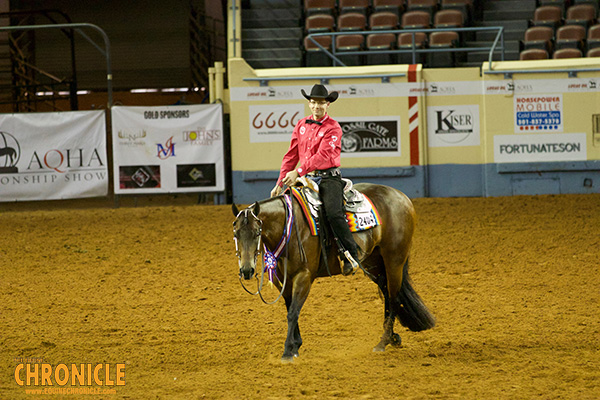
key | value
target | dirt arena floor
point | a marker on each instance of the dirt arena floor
(513, 283)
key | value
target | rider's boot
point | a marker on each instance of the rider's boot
(351, 263)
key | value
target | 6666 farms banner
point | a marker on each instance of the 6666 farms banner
(168, 149)
(53, 156)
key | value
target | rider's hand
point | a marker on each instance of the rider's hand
(290, 177)
(276, 190)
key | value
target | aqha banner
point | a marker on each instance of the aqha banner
(168, 149)
(53, 156)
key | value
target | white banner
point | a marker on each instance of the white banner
(540, 147)
(453, 125)
(274, 123)
(168, 149)
(53, 156)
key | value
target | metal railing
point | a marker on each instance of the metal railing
(414, 50)
(77, 28)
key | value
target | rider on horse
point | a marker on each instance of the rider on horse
(316, 146)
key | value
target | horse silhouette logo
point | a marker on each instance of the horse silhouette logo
(10, 152)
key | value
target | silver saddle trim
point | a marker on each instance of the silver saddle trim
(355, 201)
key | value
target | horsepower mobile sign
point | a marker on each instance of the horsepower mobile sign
(50, 156)
(168, 149)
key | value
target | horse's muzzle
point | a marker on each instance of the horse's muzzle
(247, 272)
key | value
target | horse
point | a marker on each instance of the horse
(10, 152)
(384, 253)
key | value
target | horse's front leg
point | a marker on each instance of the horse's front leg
(300, 288)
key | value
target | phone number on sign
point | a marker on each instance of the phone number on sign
(539, 121)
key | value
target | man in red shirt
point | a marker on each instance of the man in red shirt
(316, 146)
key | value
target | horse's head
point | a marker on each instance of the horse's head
(247, 230)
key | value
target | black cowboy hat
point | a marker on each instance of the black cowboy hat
(320, 92)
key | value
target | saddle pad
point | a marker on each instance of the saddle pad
(366, 216)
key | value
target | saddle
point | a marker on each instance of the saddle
(361, 214)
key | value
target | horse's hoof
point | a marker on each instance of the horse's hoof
(380, 348)
(287, 359)
(396, 340)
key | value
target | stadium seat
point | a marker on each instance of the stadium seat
(593, 37)
(562, 4)
(312, 7)
(429, 6)
(319, 23)
(581, 14)
(380, 42)
(314, 56)
(593, 52)
(415, 20)
(351, 22)
(448, 19)
(594, 3)
(405, 42)
(442, 40)
(567, 53)
(547, 16)
(533, 54)
(570, 36)
(464, 6)
(353, 6)
(383, 20)
(395, 6)
(538, 37)
(350, 43)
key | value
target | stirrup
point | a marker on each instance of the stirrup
(350, 265)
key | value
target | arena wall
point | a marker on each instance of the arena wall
(457, 129)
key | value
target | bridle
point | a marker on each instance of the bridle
(274, 256)
(238, 253)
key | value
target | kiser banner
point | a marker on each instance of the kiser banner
(370, 136)
(52, 156)
(168, 149)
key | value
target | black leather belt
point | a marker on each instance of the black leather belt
(335, 171)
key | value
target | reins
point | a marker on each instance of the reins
(290, 223)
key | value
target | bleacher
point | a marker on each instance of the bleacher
(281, 33)
(562, 29)
(376, 16)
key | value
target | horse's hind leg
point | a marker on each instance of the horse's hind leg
(388, 337)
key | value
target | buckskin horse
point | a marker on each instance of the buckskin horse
(384, 257)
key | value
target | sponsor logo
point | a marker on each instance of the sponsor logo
(453, 125)
(202, 136)
(166, 151)
(441, 89)
(448, 121)
(10, 152)
(139, 177)
(196, 175)
(270, 93)
(369, 136)
(132, 138)
(275, 120)
(538, 113)
(540, 147)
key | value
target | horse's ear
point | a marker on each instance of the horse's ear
(235, 209)
(256, 208)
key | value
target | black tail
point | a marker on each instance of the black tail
(409, 308)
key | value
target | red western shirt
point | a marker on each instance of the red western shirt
(314, 146)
